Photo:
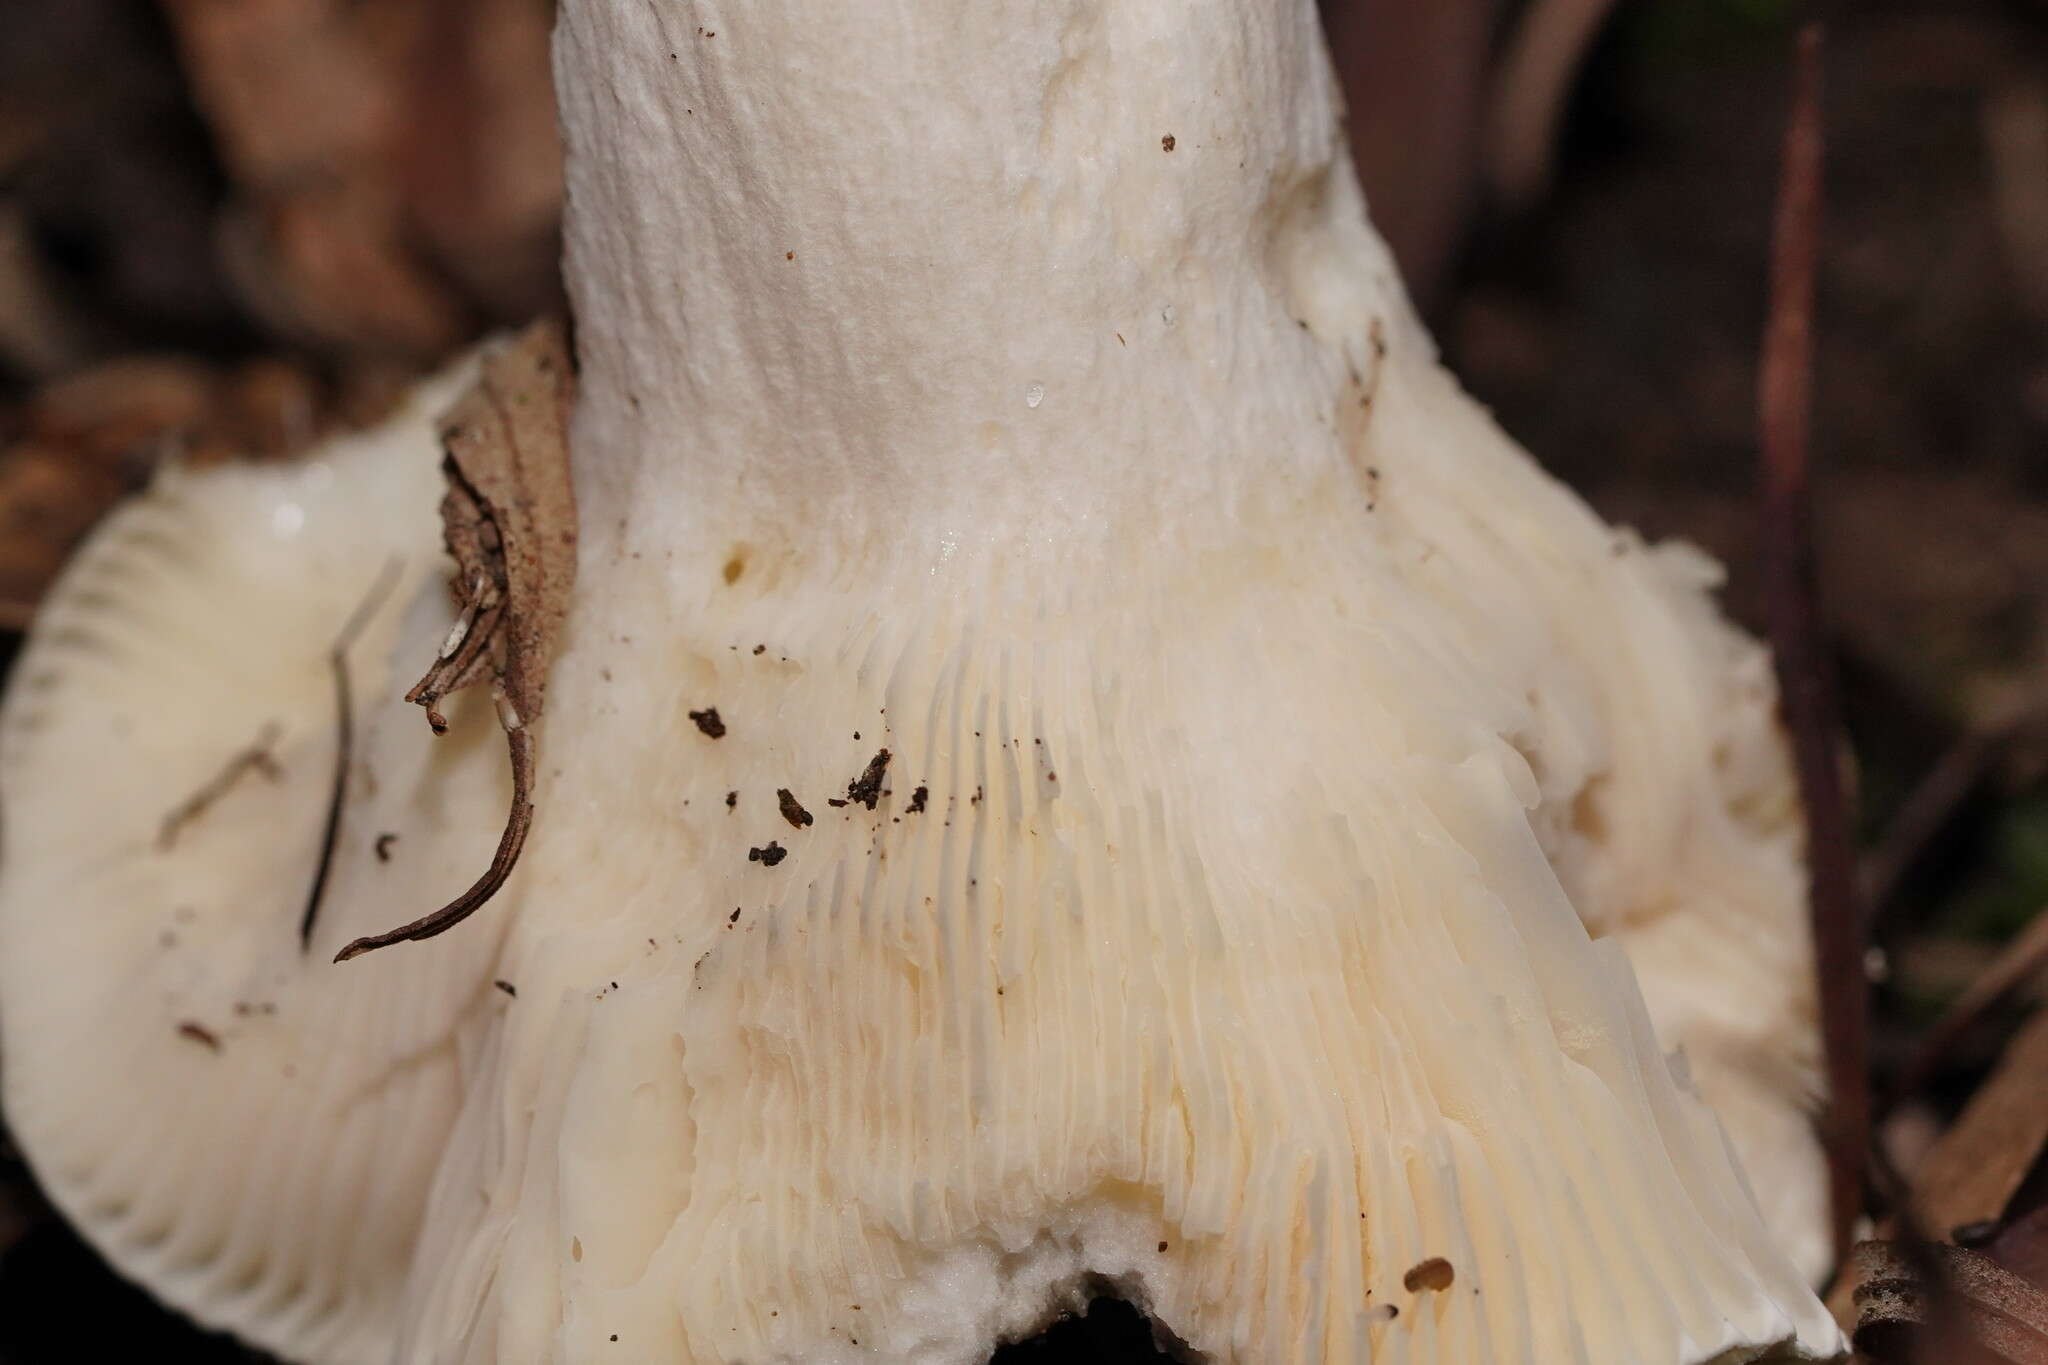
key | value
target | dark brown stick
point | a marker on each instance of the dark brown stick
(486, 886)
(1805, 674)
(255, 758)
(1929, 812)
(344, 742)
(2018, 962)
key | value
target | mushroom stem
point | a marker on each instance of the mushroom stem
(946, 276)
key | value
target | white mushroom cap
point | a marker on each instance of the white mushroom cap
(228, 1118)
(1265, 734)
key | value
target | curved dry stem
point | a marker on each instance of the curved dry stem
(517, 822)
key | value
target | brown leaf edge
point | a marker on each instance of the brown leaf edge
(1961, 1261)
(1928, 1301)
(509, 520)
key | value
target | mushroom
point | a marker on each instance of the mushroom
(247, 1133)
(1245, 793)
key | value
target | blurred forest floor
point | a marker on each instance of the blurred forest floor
(228, 227)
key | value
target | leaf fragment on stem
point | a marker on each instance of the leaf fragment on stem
(509, 521)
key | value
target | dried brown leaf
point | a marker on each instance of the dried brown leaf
(395, 163)
(306, 114)
(2021, 1246)
(480, 165)
(1978, 1312)
(509, 519)
(91, 438)
(1973, 1172)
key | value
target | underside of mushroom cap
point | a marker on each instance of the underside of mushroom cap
(231, 1120)
(1199, 941)
(1138, 880)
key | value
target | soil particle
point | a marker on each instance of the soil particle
(792, 809)
(1434, 1273)
(199, 1033)
(867, 788)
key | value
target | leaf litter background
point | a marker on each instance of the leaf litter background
(227, 226)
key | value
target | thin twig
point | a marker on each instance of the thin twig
(1805, 675)
(2018, 962)
(1929, 811)
(1542, 60)
(509, 843)
(256, 757)
(344, 739)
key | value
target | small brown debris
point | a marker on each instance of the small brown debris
(707, 720)
(917, 800)
(792, 809)
(760, 649)
(732, 799)
(199, 1033)
(508, 988)
(1434, 1273)
(383, 847)
(734, 917)
(1162, 1246)
(769, 856)
(867, 788)
(1166, 143)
